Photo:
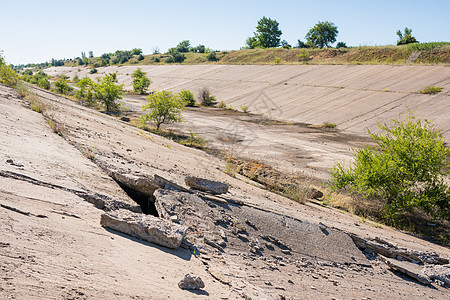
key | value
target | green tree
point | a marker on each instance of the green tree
(341, 45)
(136, 51)
(164, 106)
(107, 91)
(86, 90)
(323, 34)
(62, 86)
(252, 43)
(91, 54)
(407, 169)
(183, 46)
(140, 81)
(267, 34)
(7, 75)
(405, 37)
(187, 97)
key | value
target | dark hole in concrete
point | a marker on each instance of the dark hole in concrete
(147, 203)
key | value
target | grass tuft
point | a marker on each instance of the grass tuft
(431, 90)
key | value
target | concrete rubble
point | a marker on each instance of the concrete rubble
(145, 227)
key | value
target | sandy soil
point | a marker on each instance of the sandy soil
(59, 250)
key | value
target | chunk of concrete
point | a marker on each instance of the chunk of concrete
(190, 282)
(145, 227)
(141, 184)
(213, 187)
(412, 270)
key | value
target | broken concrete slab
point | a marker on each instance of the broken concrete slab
(386, 249)
(209, 222)
(412, 270)
(438, 273)
(206, 185)
(145, 227)
(141, 184)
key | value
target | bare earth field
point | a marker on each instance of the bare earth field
(246, 244)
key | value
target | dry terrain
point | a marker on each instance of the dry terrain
(246, 244)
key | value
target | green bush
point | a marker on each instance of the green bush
(62, 86)
(406, 170)
(86, 90)
(164, 106)
(44, 83)
(7, 75)
(140, 81)
(155, 59)
(187, 97)
(205, 97)
(405, 37)
(431, 90)
(211, 56)
(93, 71)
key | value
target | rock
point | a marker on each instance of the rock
(314, 193)
(206, 185)
(145, 227)
(125, 119)
(190, 282)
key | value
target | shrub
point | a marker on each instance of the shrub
(22, 89)
(93, 71)
(222, 105)
(44, 83)
(164, 106)
(155, 59)
(107, 91)
(303, 55)
(7, 75)
(341, 45)
(86, 90)
(405, 37)
(431, 90)
(187, 97)
(244, 108)
(62, 86)
(36, 104)
(141, 57)
(169, 60)
(211, 56)
(140, 81)
(205, 97)
(277, 60)
(406, 170)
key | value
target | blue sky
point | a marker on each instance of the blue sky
(37, 31)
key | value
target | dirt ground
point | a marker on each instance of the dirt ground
(53, 247)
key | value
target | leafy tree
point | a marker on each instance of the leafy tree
(107, 91)
(407, 169)
(176, 56)
(86, 90)
(187, 97)
(301, 44)
(91, 54)
(198, 49)
(323, 34)
(406, 37)
(62, 86)
(164, 106)
(140, 81)
(252, 43)
(7, 75)
(183, 46)
(267, 34)
(341, 45)
(285, 44)
(136, 51)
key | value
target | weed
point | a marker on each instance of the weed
(431, 90)
(277, 60)
(205, 97)
(22, 89)
(329, 125)
(56, 126)
(244, 108)
(193, 140)
(89, 152)
(222, 105)
(36, 104)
